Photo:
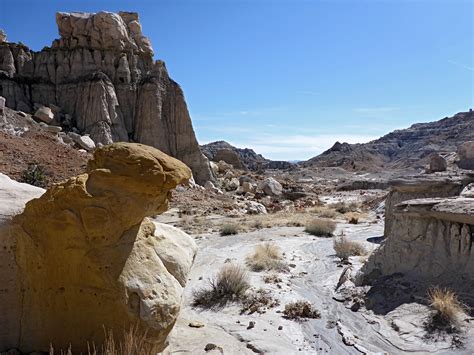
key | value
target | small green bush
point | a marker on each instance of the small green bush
(34, 175)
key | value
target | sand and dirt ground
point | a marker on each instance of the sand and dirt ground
(313, 274)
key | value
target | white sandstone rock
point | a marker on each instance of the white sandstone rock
(44, 114)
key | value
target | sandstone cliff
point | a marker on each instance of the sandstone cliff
(83, 256)
(100, 77)
(406, 148)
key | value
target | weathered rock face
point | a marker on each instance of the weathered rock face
(466, 155)
(101, 73)
(422, 187)
(430, 241)
(437, 163)
(230, 157)
(84, 255)
(246, 157)
(401, 149)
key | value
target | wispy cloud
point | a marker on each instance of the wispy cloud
(375, 109)
(291, 147)
(467, 67)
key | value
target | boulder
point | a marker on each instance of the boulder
(230, 157)
(437, 163)
(102, 75)
(209, 186)
(52, 129)
(271, 187)
(466, 155)
(83, 141)
(223, 167)
(83, 256)
(44, 114)
(249, 187)
(214, 167)
(2, 105)
(231, 184)
(255, 208)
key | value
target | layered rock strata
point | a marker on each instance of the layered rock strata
(84, 257)
(430, 241)
(421, 187)
(102, 78)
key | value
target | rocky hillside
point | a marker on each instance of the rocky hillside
(100, 78)
(405, 148)
(241, 157)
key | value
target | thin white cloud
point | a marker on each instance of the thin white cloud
(453, 62)
(375, 109)
(291, 147)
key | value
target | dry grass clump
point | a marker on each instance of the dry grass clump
(345, 248)
(301, 309)
(229, 229)
(344, 207)
(134, 342)
(266, 256)
(258, 301)
(229, 285)
(320, 227)
(324, 211)
(448, 308)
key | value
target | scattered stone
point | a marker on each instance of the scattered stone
(44, 114)
(251, 325)
(280, 327)
(271, 187)
(83, 141)
(52, 129)
(210, 346)
(196, 324)
(2, 105)
(21, 113)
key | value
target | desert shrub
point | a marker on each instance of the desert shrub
(272, 278)
(324, 211)
(320, 227)
(34, 175)
(258, 301)
(228, 285)
(344, 207)
(266, 256)
(345, 248)
(448, 309)
(229, 229)
(301, 309)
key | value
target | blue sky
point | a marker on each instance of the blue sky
(289, 78)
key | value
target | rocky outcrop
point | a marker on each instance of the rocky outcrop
(247, 158)
(401, 149)
(102, 77)
(83, 256)
(420, 187)
(430, 241)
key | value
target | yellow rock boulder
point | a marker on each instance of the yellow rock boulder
(88, 259)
